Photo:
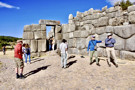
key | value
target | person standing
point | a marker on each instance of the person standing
(18, 59)
(24, 52)
(92, 46)
(109, 43)
(50, 44)
(27, 54)
(4, 50)
(63, 49)
(53, 43)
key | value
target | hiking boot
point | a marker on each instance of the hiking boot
(98, 64)
(90, 63)
(22, 76)
(17, 76)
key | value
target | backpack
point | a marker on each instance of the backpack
(27, 51)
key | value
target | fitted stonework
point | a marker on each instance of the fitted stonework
(79, 29)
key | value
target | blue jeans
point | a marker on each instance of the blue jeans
(63, 60)
(50, 47)
(27, 56)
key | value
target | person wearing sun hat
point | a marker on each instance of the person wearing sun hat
(109, 43)
(92, 49)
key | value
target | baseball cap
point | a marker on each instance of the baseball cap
(93, 36)
(109, 34)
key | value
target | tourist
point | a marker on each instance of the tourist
(109, 43)
(92, 46)
(53, 43)
(4, 50)
(24, 52)
(50, 44)
(18, 59)
(27, 53)
(63, 49)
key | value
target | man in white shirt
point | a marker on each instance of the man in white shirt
(63, 49)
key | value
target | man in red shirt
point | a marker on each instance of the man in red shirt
(18, 59)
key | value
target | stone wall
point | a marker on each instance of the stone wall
(95, 22)
(35, 35)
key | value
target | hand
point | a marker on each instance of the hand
(102, 41)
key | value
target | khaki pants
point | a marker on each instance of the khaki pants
(111, 51)
(93, 53)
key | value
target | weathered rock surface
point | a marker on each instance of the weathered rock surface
(41, 45)
(34, 46)
(80, 43)
(40, 35)
(124, 31)
(130, 44)
(27, 28)
(131, 17)
(127, 55)
(131, 8)
(28, 35)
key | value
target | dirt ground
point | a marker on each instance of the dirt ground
(45, 73)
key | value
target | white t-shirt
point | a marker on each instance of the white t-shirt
(63, 47)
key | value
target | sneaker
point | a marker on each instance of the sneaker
(98, 64)
(17, 76)
(22, 76)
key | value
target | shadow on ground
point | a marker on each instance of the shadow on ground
(71, 63)
(36, 71)
(36, 60)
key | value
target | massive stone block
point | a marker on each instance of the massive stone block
(103, 21)
(58, 29)
(77, 34)
(100, 30)
(73, 51)
(71, 28)
(130, 44)
(82, 52)
(120, 43)
(28, 35)
(41, 45)
(49, 22)
(71, 35)
(102, 52)
(66, 36)
(70, 16)
(34, 46)
(40, 34)
(84, 33)
(124, 31)
(27, 42)
(102, 37)
(131, 17)
(127, 55)
(65, 28)
(27, 28)
(36, 27)
(111, 15)
(58, 36)
(43, 27)
(131, 8)
(71, 43)
(80, 43)
(109, 29)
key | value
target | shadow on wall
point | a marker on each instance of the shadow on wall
(36, 71)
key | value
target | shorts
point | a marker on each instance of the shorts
(19, 63)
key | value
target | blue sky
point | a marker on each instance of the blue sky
(14, 14)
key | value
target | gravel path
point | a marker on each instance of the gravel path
(45, 73)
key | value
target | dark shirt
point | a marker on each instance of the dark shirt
(110, 42)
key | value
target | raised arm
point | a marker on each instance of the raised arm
(98, 41)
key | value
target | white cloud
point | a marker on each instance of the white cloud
(8, 6)
(113, 1)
